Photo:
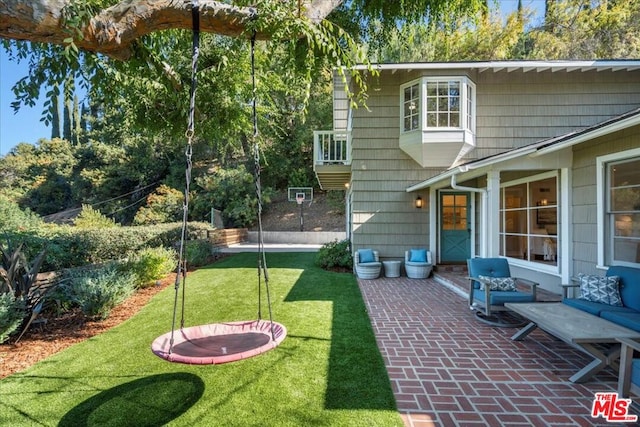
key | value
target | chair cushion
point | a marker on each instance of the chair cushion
(628, 319)
(366, 255)
(604, 290)
(499, 283)
(500, 297)
(594, 308)
(493, 267)
(629, 284)
(418, 255)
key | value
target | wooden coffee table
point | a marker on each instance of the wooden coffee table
(577, 328)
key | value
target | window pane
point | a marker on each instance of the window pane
(627, 250)
(443, 104)
(431, 119)
(625, 199)
(455, 120)
(407, 93)
(625, 174)
(543, 192)
(443, 120)
(432, 88)
(515, 196)
(407, 123)
(627, 225)
(414, 122)
(515, 221)
(516, 246)
(432, 104)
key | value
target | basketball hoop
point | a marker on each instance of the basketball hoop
(299, 198)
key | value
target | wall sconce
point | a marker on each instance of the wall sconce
(418, 202)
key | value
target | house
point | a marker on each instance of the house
(536, 161)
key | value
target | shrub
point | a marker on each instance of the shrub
(97, 291)
(70, 247)
(335, 255)
(14, 218)
(93, 218)
(197, 252)
(18, 280)
(12, 312)
(151, 264)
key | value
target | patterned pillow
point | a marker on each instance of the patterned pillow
(604, 290)
(499, 283)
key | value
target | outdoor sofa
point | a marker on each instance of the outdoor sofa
(616, 301)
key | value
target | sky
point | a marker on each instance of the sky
(25, 126)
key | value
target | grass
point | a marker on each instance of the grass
(327, 372)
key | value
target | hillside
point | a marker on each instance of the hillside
(319, 215)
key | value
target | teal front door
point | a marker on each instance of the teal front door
(455, 227)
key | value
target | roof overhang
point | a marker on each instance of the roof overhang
(509, 66)
(540, 148)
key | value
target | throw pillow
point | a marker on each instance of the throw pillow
(418, 255)
(366, 255)
(605, 290)
(499, 283)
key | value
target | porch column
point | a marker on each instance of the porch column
(491, 235)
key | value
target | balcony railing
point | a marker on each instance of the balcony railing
(332, 147)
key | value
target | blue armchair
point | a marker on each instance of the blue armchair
(491, 285)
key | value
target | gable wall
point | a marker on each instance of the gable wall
(527, 108)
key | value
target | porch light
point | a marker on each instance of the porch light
(418, 202)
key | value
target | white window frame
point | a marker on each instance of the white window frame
(538, 266)
(418, 102)
(604, 239)
(467, 103)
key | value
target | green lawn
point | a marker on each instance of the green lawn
(327, 372)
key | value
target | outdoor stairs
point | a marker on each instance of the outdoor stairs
(455, 277)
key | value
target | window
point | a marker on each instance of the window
(437, 120)
(411, 108)
(443, 103)
(622, 216)
(529, 219)
(448, 103)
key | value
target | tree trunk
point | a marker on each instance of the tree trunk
(113, 30)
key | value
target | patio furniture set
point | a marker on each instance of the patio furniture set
(603, 321)
(417, 264)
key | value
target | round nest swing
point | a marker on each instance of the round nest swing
(219, 342)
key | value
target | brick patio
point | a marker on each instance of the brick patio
(448, 369)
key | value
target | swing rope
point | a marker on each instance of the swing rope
(181, 270)
(262, 259)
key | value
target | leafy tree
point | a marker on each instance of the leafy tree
(164, 205)
(588, 30)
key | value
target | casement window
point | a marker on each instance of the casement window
(529, 220)
(436, 103)
(411, 108)
(619, 222)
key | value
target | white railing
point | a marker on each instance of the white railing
(331, 147)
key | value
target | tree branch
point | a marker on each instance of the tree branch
(113, 30)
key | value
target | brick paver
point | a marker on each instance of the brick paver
(448, 369)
